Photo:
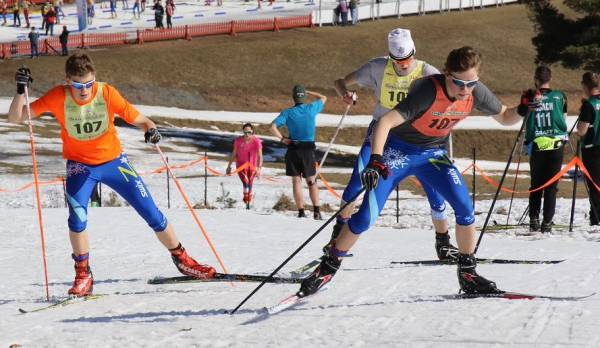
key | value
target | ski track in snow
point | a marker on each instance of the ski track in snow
(370, 304)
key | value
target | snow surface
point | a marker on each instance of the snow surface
(370, 302)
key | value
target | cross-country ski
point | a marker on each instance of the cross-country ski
(221, 277)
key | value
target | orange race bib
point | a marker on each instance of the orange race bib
(443, 114)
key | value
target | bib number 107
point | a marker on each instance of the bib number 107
(88, 127)
(442, 123)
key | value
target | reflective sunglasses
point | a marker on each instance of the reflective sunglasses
(87, 85)
(403, 61)
(248, 132)
(464, 83)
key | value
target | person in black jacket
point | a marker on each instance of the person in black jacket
(159, 12)
(64, 40)
(587, 128)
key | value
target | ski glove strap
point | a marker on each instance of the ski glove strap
(152, 136)
(375, 169)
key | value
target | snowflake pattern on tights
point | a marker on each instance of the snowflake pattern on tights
(395, 159)
(75, 168)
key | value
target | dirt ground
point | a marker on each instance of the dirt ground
(256, 71)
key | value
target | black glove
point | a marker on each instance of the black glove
(152, 136)
(23, 78)
(376, 168)
(530, 100)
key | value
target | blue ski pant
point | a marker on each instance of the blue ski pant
(119, 175)
(431, 166)
(435, 199)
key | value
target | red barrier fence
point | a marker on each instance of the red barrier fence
(51, 45)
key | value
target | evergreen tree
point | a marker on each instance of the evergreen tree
(574, 42)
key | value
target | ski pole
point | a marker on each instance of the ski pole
(512, 195)
(574, 190)
(297, 250)
(36, 181)
(191, 209)
(512, 151)
(337, 130)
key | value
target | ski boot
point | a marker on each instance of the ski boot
(247, 200)
(470, 282)
(322, 274)
(84, 279)
(317, 213)
(534, 224)
(445, 250)
(188, 266)
(301, 213)
(546, 226)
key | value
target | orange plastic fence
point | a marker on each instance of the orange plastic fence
(204, 160)
(220, 28)
(23, 48)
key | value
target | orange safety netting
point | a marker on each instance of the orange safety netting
(576, 161)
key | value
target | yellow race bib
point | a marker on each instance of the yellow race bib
(89, 121)
(394, 88)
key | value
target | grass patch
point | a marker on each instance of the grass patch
(256, 71)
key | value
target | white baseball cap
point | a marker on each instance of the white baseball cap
(400, 44)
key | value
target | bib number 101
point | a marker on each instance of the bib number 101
(396, 96)
(88, 127)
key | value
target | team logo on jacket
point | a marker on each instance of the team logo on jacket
(395, 159)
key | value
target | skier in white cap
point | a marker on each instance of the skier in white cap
(390, 77)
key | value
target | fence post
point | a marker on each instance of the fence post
(232, 30)
(82, 40)
(398, 203)
(187, 33)
(140, 40)
(205, 178)
(64, 185)
(275, 25)
(46, 46)
(310, 21)
(474, 177)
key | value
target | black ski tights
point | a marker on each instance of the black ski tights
(544, 165)
(591, 160)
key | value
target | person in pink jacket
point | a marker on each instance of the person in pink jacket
(247, 149)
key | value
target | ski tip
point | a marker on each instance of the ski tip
(22, 311)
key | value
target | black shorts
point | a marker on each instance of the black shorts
(300, 159)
